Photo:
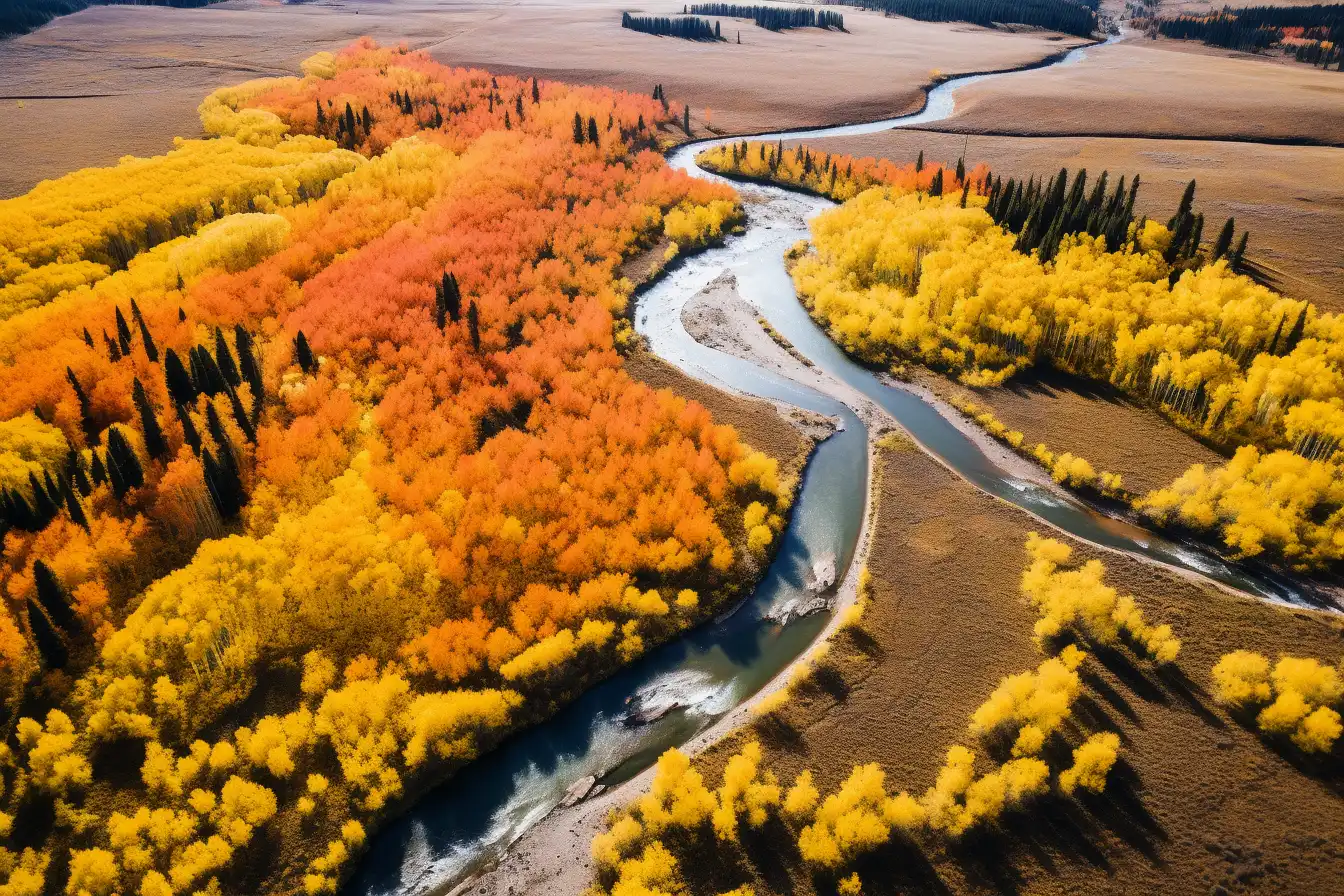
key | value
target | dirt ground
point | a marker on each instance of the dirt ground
(1198, 803)
(1100, 424)
(116, 80)
(1161, 89)
(1291, 198)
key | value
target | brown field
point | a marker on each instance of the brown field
(1198, 802)
(155, 64)
(1161, 89)
(1290, 197)
(1104, 426)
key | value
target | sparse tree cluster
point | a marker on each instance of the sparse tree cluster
(1056, 15)
(685, 27)
(772, 18)
(1297, 697)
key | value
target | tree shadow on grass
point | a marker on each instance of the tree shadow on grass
(864, 642)
(771, 851)
(986, 857)
(779, 732)
(897, 867)
(1190, 693)
(1120, 809)
(1131, 674)
(1103, 689)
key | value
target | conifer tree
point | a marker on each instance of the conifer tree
(180, 385)
(74, 466)
(85, 408)
(224, 360)
(113, 351)
(536, 91)
(155, 443)
(73, 506)
(123, 465)
(936, 186)
(88, 339)
(578, 129)
(240, 415)
(189, 433)
(919, 162)
(686, 119)
(474, 326)
(54, 598)
(1224, 241)
(123, 333)
(592, 131)
(49, 644)
(304, 355)
(151, 350)
(44, 505)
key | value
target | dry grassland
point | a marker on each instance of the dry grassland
(1198, 803)
(141, 71)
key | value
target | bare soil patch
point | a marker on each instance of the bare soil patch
(151, 66)
(1198, 803)
(1291, 198)
(1161, 89)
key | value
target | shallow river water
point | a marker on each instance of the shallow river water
(459, 827)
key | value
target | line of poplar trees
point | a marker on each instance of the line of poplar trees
(21, 16)
(683, 27)
(1057, 15)
(772, 18)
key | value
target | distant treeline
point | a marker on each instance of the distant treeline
(1260, 27)
(682, 26)
(22, 16)
(772, 18)
(1057, 15)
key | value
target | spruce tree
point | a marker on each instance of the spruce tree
(189, 433)
(578, 128)
(304, 355)
(49, 644)
(1224, 241)
(536, 91)
(88, 340)
(592, 131)
(1239, 255)
(85, 408)
(224, 360)
(180, 385)
(44, 504)
(151, 350)
(123, 464)
(155, 443)
(965, 191)
(113, 352)
(123, 333)
(240, 416)
(73, 507)
(686, 119)
(936, 187)
(474, 326)
(919, 162)
(54, 598)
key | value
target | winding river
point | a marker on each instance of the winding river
(690, 683)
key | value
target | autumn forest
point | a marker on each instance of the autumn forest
(455, 470)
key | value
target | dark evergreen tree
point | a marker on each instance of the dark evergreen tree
(686, 119)
(189, 433)
(578, 128)
(74, 469)
(180, 385)
(1223, 244)
(936, 186)
(304, 355)
(74, 507)
(48, 640)
(123, 465)
(592, 131)
(123, 333)
(53, 597)
(113, 351)
(146, 338)
(240, 416)
(44, 504)
(155, 443)
(474, 326)
(86, 421)
(224, 360)
(536, 91)
(919, 162)
(97, 469)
